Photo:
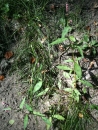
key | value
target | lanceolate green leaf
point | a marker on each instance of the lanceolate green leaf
(78, 70)
(65, 31)
(22, 104)
(25, 121)
(42, 116)
(59, 40)
(87, 83)
(69, 60)
(94, 106)
(59, 117)
(38, 113)
(7, 109)
(63, 67)
(46, 120)
(77, 92)
(37, 86)
(80, 50)
(28, 107)
(49, 125)
(66, 75)
(43, 92)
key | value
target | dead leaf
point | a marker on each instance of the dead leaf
(88, 28)
(32, 60)
(95, 23)
(96, 33)
(30, 79)
(85, 60)
(95, 5)
(8, 54)
(44, 71)
(51, 56)
(2, 77)
(61, 48)
(40, 25)
(43, 40)
(80, 115)
(52, 7)
(91, 64)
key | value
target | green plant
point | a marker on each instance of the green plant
(75, 71)
(30, 109)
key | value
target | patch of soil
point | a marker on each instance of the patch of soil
(11, 95)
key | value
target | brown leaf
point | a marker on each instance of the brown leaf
(95, 23)
(43, 40)
(88, 28)
(96, 34)
(8, 54)
(91, 64)
(44, 71)
(32, 60)
(2, 77)
(85, 60)
(52, 7)
(80, 115)
(95, 5)
(61, 48)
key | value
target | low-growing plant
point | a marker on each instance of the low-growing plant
(75, 71)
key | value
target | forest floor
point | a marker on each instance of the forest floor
(12, 88)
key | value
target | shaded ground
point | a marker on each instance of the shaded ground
(12, 89)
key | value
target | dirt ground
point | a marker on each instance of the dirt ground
(11, 88)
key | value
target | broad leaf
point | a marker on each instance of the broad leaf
(86, 38)
(69, 60)
(94, 106)
(59, 40)
(22, 104)
(11, 122)
(66, 75)
(84, 46)
(25, 121)
(72, 38)
(93, 42)
(65, 31)
(78, 70)
(59, 117)
(86, 83)
(77, 92)
(68, 89)
(37, 86)
(84, 90)
(63, 67)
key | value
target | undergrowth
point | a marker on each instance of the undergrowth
(38, 38)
